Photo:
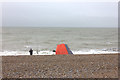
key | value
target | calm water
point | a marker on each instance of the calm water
(21, 39)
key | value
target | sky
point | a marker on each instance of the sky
(59, 0)
(60, 14)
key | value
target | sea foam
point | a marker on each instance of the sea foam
(79, 52)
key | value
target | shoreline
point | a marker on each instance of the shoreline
(20, 53)
(61, 55)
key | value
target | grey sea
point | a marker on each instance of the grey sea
(79, 40)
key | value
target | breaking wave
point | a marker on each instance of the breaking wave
(47, 52)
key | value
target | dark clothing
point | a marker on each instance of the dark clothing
(31, 51)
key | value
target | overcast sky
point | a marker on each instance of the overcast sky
(60, 14)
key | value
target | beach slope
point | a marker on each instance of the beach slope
(61, 66)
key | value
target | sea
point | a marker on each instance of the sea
(43, 40)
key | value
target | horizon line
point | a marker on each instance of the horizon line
(52, 27)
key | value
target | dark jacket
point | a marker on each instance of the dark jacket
(31, 51)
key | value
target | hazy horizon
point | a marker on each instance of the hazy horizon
(52, 14)
(51, 27)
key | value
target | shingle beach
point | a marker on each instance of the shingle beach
(61, 66)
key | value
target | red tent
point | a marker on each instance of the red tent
(63, 49)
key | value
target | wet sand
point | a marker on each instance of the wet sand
(61, 66)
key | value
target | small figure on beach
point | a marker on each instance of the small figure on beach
(54, 51)
(37, 51)
(31, 51)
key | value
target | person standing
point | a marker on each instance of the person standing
(31, 51)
